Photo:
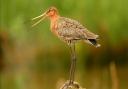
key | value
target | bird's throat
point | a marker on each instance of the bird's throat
(53, 20)
(54, 17)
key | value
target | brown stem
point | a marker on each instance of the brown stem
(114, 77)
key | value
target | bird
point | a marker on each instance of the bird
(69, 31)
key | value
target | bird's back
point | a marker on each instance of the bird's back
(69, 29)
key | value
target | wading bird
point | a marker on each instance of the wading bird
(69, 31)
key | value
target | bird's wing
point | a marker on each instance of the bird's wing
(68, 30)
(73, 30)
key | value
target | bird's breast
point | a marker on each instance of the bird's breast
(54, 28)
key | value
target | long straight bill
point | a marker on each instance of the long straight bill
(41, 16)
(38, 17)
(38, 21)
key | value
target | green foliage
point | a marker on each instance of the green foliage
(32, 54)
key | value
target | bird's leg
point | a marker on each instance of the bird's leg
(71, 83)
(73, 63)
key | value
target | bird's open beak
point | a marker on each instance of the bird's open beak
(40, 17)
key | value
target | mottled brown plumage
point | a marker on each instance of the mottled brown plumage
(69, 31)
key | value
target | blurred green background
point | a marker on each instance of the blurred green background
(33, 58)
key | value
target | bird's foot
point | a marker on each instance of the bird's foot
(71, 85)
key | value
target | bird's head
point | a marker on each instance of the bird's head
(51, 13)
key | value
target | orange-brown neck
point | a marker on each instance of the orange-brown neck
(54, 17)
(54, 23)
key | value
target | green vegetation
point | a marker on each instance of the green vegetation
(33, 58)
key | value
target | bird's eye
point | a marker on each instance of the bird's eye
(49, 10)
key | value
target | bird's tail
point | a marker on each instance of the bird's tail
(92, 42)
